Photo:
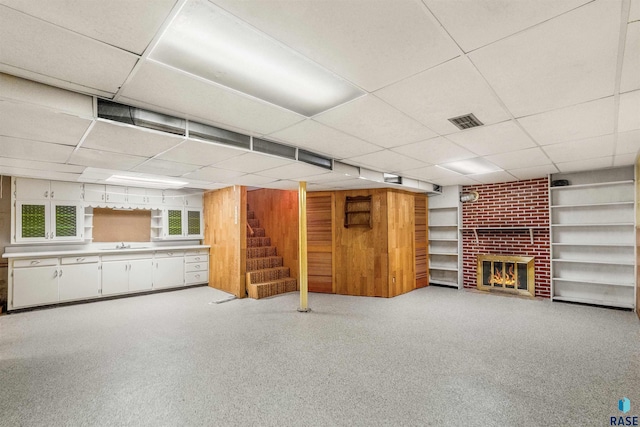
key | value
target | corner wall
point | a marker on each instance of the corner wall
(509, 204)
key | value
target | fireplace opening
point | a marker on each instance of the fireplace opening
(508, 273)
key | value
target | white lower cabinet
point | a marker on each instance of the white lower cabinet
(37, 285)
(79, 278)
(168, 270)
(120, 275)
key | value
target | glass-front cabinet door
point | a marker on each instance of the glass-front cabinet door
(32, 221)
(173, 224)
(66, 221)
(194, 223)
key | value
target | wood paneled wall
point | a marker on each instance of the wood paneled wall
(277, 211)
(401, 242)
(225, 217)
(362, 261)
(320, 242)
(422, 243)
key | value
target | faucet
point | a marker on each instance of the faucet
(123, 246)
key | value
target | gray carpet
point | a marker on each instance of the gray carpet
(435, 356)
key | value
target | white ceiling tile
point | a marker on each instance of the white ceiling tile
(430, 173)
(492, 139)
(533, 172)
(59, 100)
(329, 31)
(186, 94)
(31, 44)
(630, 79)
(43, 166)
(37, 173)
(449, 90)
(163, 167)
(16, 148)
(586, 165)
(520, 159)
(629, 113)
(530, 77)
(206, 185)
(125, 24)
(293, 171)
(625, 159)
(105, 159)
(252, 162)
(322, 139)
(375, 121)
(434, 151)
(477, 23)
(628, 142)
(253, 180)
(40, 124)
(634, 12)
(600, 146)
(122, 138)
(387, 161)
(199, 153)
(490, 178)
(214, 175)
(460, 180)
(580, 121)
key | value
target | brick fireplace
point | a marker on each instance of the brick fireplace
(510, 218)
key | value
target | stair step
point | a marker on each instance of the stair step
(257, 232)
(253, 223)
(254, 264)
(275, 287)
(261, 252)
(251, 215)
(268, 274)
(255, 242)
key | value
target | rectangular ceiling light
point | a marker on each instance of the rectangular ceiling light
(210, 43)
(473, 166)
(139, 181)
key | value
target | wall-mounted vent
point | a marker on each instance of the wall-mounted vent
(390, 178)
(270, 147)
(437, 188)
(210, 133)
(466, 121)
(139, 117)
(314, 159)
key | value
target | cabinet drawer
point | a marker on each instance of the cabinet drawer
(196, 258)
(196, 266)
(79, 259)
(39, 262)
(125, 257)
(201, 252)
(170, 254)
(196, 277)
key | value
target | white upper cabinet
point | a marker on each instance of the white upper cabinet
(193, 200)
(173, 198)
(32, 189)
(136, 196)
(116, 194)
(94, 193)
(61, 190)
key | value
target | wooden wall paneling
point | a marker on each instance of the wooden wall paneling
(422, 245)
(320, 241)
(361, 258)
(277, 211)
(225, 216)
(401, 242)
(111, 225)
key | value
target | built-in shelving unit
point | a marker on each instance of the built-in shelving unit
(445, 260)
(593, 237)
(88, 224)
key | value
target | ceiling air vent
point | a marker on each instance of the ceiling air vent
(210, 133)
(139, 117)
(314, 159)
(466, 121)
(270, 147)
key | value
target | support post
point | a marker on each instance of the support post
(302, 246)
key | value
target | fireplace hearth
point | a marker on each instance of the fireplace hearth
(506, 273)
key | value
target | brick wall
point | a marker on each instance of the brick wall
(509, 204)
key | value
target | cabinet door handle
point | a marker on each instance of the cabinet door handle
(107, 197)
(103, 197)
(79, 259)
(60, 273)
(197, 276)
(197, 258)
(34, 262)
(46, 194)
(198, 266)
(52, 194)
(55, 273)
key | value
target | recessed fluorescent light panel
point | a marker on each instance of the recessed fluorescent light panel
(474, 166)
(210, 43)
(139, 181)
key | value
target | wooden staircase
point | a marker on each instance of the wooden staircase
(266, 275)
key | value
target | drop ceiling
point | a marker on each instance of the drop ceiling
(555, 83)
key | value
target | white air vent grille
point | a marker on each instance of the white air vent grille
(465, 122)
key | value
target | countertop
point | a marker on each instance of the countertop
(97, 251)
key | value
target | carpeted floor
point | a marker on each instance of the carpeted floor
(435, 356)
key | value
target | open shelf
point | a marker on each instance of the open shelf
(590, 205)
(445, 217)
(593, 282)
(594, 302)
(443, 282)
(577, 261)
(442, 268)
(592, 185)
